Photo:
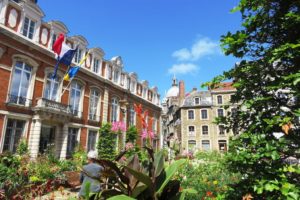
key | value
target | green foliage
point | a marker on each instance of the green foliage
(106, 143)
(155, 181)
(208, 174)
(267, 80)
(131, 134)
(22, 147)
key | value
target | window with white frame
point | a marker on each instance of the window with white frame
(28, 28)
(192, 146)
(114, 110)
(92, 138)
(51, 90)
(205, 130)
(219, 99)
(204, 114)
(72, 140)
(109, 70)
(222, 145)
(116, 76)
(75, 98)
(220, 112)
(78, 55)
(13, 134)
(21, 79)
(133, 86)
(205, 145)
(128, 83)
(96, 65)
(190, 114)
(191, 130)
(122, 79)
(94, 104)
(144, 92)
(131, 116)
(221, 130)
(197, 101)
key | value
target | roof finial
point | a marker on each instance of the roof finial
(174, 81)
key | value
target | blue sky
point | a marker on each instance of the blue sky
(155, 38)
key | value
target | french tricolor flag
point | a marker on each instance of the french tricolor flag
(64, 53)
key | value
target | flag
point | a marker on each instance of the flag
(58, 44)
(73, 70)
(65, 56)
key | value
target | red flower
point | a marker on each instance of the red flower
(209, 193)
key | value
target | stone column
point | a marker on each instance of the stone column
(34, 138)
(105, 105)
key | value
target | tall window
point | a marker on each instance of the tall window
(78, 55)
(154, 125)
(13, 134)
(197, 101)
(51, 88)
(20, 83)
(116, 76)
(144, 92)
(114, 110)
(72, 140)
(96, 66)
(221, 129)
(94, 102)
(92, 140)
(28, 28)
(122, 79)
(190, 114)
(205, 145)
(205, 130)
(75, 97)
(192, 146)
(204, 114)
(128, 83)
(132, 86)
(220, 112)
(54, 36)
(219, 99)
(131, 116)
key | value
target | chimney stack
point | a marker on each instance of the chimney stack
(181, 90)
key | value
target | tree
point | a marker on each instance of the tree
(267, 80)
(107, 142)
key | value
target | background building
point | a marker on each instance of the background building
(188, 117)
(55, 112)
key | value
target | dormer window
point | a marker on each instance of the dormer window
(54, 37)
(78, 55)
(28, 28)
(116, 76)
(219, 99)
(96, 66)
(197, 101)
(128, 83)
(144, 92)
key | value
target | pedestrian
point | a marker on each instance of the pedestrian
(90, 176)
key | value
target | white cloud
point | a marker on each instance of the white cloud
(183, 68)
(202, 47)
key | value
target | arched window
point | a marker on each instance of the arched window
(94, 105)
(75, 98)
(20, 84)
(52, 86)
(131, 116)
(114, 110)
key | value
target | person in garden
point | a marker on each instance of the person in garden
(90, 176)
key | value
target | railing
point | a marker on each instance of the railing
(19, 100)
(53, 105)
(94, 117)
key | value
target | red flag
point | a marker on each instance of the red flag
(58, 44)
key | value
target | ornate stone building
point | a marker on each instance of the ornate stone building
(58, 113)
(189, 117)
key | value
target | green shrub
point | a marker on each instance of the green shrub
(107, 142)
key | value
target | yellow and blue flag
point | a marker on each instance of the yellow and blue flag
(73, 70)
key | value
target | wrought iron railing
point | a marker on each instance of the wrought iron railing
(94, 117)
(53, 105)
(19, 100)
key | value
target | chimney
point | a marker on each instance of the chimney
(194, 89)
(181, 90)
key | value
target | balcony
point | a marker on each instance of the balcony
(50, 108)
(18, 100)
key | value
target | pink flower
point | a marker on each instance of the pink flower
(151, 134)
(118, 126)
(144, 134)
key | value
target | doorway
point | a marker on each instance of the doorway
(47, 140)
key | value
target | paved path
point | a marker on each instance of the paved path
(61, 194)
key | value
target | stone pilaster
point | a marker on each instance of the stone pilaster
(105, 105)
(34, 139)
(64, 142)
